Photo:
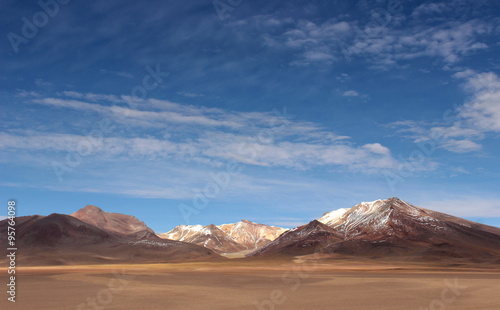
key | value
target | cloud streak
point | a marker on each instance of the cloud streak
(386, 40)
(267, 139)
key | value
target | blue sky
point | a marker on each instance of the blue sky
(206, 112)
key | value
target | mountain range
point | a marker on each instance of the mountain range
(226, 238)
(389, 229)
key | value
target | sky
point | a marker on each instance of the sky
(200, 112)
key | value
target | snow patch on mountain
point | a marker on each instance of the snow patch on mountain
(330, 218)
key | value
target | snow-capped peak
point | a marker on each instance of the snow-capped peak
(331, 218)
(183, 232)
(335, 216)
(350, 217)
(375, 216)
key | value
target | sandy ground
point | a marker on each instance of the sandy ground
(275, 285)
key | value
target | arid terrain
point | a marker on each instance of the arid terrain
(238, 284)
(385, 254)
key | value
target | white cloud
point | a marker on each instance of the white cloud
(483, 111)
(24, 93)
(318, 56)
(93, 97)
(384, 44)
(200, 134)
(377, 148)
(147, 117)
(162, 149)
(462, 146)
(471, 122)
(429, 8)
(351, 93)
(343, 77)
(449, 41)
(216, 146)
(354, 94)
(313, 40)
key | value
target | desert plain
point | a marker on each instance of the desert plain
(247, 284)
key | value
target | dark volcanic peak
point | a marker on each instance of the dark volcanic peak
(59, 229)
(312, 228)
(115, 223)
(314, 225)
(301, 240)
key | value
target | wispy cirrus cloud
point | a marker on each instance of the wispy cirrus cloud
(92, 97)
(391, 40)
(163, 149)
(255, 138)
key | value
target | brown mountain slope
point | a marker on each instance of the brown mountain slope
(114, 223)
